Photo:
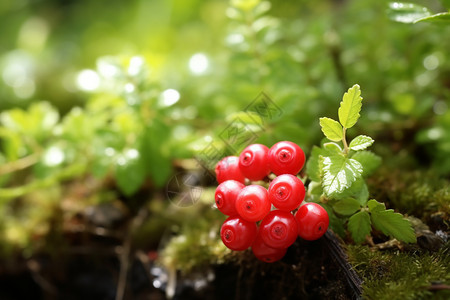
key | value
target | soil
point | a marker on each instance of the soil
(310, 270)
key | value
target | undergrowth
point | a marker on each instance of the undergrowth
(401, 275)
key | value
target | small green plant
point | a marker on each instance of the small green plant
(337, 178)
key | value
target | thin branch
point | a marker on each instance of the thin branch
(125, 256)
(344, 140)
(19, 164)
(66, 173)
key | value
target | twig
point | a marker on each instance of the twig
(66, 173)
(19, 164)
(34, 267)
(145, 261)
(125, 256)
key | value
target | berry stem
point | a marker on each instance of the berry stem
(344, 140)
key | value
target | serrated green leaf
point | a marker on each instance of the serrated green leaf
(406, 12)
(368, 160)
(359, 226)
(331, 129)
(437, 18)
(346, 207)
(129, 171)
(393, 224)
(312, 166)
(350, 107)
(332, 148)
(361, 142)
(339, 173)
(357, 191)
(375, 206)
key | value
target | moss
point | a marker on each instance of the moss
(196, 243)
(421, 194)
(400, 275)
(193, 249)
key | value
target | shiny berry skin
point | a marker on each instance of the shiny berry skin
(226, 195)
(286, 158)
(266, 253)
(279, 229)
(228, 169)
(286, 192)
(238, 234)
(252, 203)
(312, 220)
(253, 162)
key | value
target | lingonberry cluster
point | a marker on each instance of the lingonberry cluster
(267, 220)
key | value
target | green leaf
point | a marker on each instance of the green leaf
(359, 226)
(130, 171)
(339, 173)
(312, 166)
(153, 141)
(437, 18)
(315, 191)
(357, 191)
(375, 206)
(350, 107)
(331, 129)
(346, 207)
(368, 160)
(361, 142)
(332, 148)
(393, 224)
(407, 12)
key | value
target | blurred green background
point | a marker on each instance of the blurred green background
(105, 101)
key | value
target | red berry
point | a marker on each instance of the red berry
(286, 158)
(266, 253)
(253, 203)
(312, 221)
(228, 169)
(237, 233)
(226, 195)
(279, 229)
(253, 162)
(286, 192)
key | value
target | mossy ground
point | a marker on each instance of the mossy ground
(402, 275)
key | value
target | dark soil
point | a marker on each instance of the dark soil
(310, 270)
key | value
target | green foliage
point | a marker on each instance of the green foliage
(390, 223)
(123, 136)
(359, 226)
(413, 13)
(361, 142)
(350, 107)
(113, 134)
(340, 173)
(331, 129)
(407, 12)
(401, 275)
(369, 160)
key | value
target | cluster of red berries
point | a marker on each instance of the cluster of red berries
(274, 209)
